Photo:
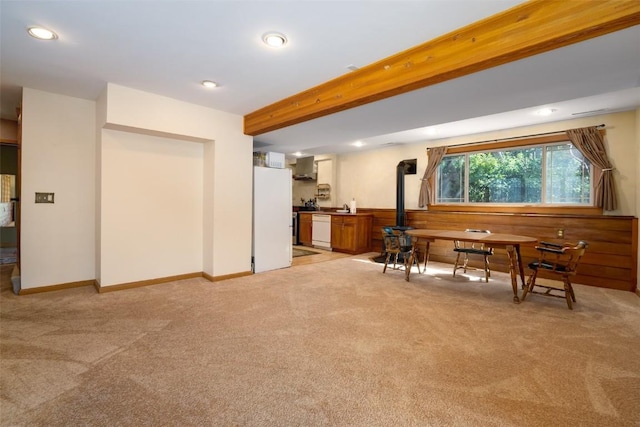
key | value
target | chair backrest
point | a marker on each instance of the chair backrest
(387, 231)
(565, 259)
(395, 241)
(462, 245)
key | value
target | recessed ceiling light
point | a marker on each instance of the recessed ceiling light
(274, 39)
(546, 111)
(209, 84)
(358, 144)
(42, 33)
(297, 154)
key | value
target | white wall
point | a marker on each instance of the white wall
(58, 149)
(369, 176)
(152, 207)
(304, 190)
(229, 194)
(145, 112)
(226, 171)
(208, 187)
(101, 117)
(145, 187)
(327, 173)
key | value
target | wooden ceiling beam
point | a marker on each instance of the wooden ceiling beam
(525, 30)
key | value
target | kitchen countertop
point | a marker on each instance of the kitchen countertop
(335, 213)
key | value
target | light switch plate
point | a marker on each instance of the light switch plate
(44, 198)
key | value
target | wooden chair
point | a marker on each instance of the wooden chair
(465, 249)
(561, 260)
(398, 246)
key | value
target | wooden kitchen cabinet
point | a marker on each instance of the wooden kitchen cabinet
(351, 233)
(306, 225)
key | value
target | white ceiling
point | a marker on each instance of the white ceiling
(169, 47)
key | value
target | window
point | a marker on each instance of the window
(568, 176)
(546, 174)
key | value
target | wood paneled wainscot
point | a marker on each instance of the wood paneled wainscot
(610, 260)
(351, 233)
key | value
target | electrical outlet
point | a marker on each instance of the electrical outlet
(44, 198)
(560, 233)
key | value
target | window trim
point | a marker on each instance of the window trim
(521, 208)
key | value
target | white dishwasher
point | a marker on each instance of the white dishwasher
(321, 231)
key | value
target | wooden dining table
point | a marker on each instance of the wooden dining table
(510, 242)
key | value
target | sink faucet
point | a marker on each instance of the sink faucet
(346, 207)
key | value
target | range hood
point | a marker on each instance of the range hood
(305, 169)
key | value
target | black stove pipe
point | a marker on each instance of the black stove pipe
(405, 167)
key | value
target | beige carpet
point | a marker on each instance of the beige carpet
(335, 343)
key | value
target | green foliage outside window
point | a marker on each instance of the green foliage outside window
(451, 179)
(549, 174)
(568, 177)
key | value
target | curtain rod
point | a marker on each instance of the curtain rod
(516, 137)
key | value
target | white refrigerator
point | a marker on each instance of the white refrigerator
(272, 219)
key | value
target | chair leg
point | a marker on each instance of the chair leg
(416, 258)
(466, 261)
(568, 293)
(573, 296)
(455, 265)
(386, 262)
(487, 272)
(530, 284)
(416, 261)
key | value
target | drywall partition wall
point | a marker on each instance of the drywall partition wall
(226, 163)
(228, 202)
(622, 146)
(151, 207)
(327, 175)
(101, 117)
(208, 189)
(144, 112)
(370, 175)
(58, 149)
